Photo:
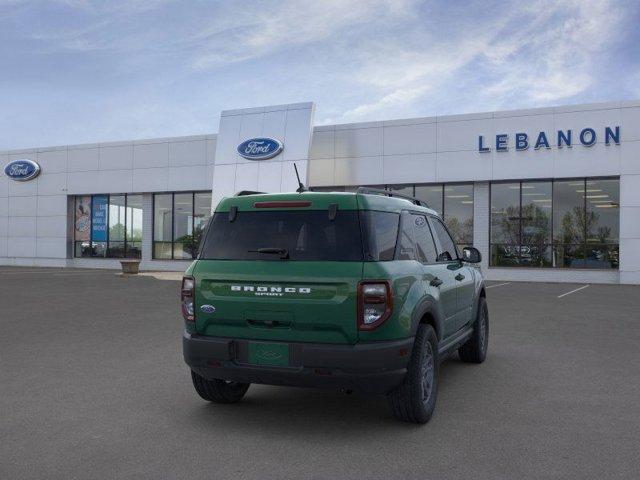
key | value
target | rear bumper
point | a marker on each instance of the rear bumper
(373, 367)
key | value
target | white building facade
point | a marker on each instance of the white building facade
(549, 194)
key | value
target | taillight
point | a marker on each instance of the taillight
(375, 303)
(188, 287)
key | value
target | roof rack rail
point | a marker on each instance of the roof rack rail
(242, 193)
(389, 193)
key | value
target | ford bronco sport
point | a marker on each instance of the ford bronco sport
(358, 291)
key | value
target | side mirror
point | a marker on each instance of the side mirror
(471, 255)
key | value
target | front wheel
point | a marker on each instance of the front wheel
(219, 391)
(415, 400)
(475, 349)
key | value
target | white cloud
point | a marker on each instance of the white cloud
(160, 67)
(543, 52)
(552, 59)
(242, 34)
(401, 96)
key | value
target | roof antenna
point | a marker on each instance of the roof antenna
(301, 188)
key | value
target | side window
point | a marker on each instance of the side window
(446, 246)
(406, 242)
(381, 232)
(424, 241)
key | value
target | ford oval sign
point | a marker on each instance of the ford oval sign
(260, 148)
(22, 170)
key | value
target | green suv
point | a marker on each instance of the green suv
(360, 291)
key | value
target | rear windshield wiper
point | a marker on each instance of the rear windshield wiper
(283, 252)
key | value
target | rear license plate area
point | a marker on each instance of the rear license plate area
(270, 354)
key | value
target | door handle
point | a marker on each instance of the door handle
(459, 277)
(436, 282)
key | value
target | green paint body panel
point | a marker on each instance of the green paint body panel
(408, 289)
(325, 315)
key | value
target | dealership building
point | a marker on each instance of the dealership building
(548, 194)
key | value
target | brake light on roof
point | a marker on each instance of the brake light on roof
(186, 297)
(282, 204)
(375, 303)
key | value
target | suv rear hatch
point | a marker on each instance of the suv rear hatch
(284, 269)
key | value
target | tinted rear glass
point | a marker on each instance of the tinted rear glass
(306, 235)
(406, 241)
(381, 231)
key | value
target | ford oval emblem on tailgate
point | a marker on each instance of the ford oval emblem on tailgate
(207, 308)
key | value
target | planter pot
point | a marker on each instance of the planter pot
(130, 267)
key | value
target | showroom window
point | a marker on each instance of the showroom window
(564, 224)
(178, 223)
(453, 202)
(108, 226)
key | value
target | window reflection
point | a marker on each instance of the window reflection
(458, 212)
(134, 226)
(569, 223)
(108, 226)
(566, 223)
(401, 189)
(536, 220)
(603, 223)
(432, 194)
(179, 222)
(505, 224)
(183, 225)
(162, 225)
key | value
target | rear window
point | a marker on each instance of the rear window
(305, 235)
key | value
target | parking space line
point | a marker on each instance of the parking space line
(573, 291)
(498, 285)
(52, 273)
(67, 274)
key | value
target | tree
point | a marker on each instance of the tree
(191, 243)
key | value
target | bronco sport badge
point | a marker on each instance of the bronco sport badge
(273, 291)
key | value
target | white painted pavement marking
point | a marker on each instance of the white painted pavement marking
(573, 291)
(56, 273)
(68, 274)
(498, 285)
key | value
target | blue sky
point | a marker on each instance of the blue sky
(78, 71)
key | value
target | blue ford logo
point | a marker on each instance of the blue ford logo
(260, 148)
(22, 170)
(207, 308)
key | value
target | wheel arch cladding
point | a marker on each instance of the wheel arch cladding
(426, 313)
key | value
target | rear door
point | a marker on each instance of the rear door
(459, 275)
(439, 279)
(280, 275)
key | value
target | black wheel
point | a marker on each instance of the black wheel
(219, 391)
(475, 349)
(415, 400)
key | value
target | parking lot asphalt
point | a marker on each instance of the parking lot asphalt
(93, 386)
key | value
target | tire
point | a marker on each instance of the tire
(415, 400)
(219, 391)
(475, 349)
